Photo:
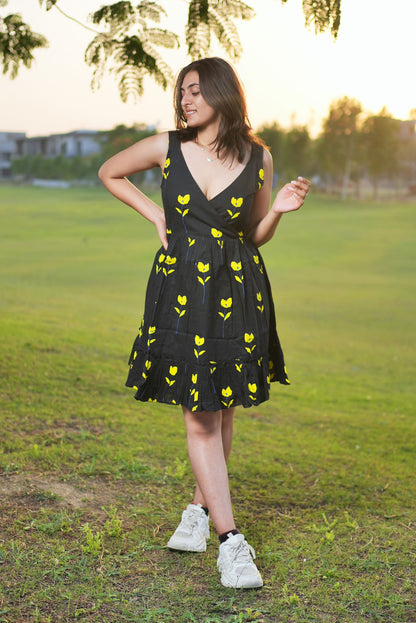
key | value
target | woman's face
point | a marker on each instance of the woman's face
(197, 111)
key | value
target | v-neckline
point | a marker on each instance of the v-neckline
(224, 189)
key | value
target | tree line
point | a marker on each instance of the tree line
(352, 147)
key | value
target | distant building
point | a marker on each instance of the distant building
(71, 144)
(407, 130)
(9, 149)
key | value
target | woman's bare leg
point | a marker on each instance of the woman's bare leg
(227, 427)
(208, 446)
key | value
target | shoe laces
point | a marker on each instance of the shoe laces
(191, 519)
(243, 553)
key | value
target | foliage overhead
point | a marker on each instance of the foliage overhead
(128, 47)
(17, 43)
(128, 42)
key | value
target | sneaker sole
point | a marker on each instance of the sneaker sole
(183, 547)
(255, 583)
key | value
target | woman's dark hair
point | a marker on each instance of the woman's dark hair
(222, 90)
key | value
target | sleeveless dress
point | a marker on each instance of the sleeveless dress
(208, 337)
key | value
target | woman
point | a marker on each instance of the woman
(208, 340)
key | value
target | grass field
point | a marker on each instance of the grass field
(92, 483)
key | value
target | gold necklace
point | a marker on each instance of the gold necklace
(203, 148)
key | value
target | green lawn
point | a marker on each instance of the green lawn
(92, 483)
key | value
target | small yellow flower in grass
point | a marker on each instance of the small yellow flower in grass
(173, 370)
(227, 392)
(199, 340)
(203, 268)
(226, 303)
(252, 387)
(216, 233)
(182, 299)
(183, 199)
(248, 337)
(236, 265)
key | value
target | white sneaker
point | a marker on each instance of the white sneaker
(192, 533)
(236, 565)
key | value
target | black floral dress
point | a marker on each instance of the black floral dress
(208, 336)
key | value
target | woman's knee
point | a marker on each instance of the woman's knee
(203, 423)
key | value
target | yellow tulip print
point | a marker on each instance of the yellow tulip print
(252, 388)
(236, 266)
(194, 392)
(248, 339)
(203, 268)
(191, 242)
(257, 261)
(199, 341)
(172, 371)
(147, 365)
(165, 264)
(260, 306)
(183, 200)
(150, 340)
(236, 202)
(166, 166)
(226, 304)
(227, 392)
(261, 178)
(180, 309)
(216, 233)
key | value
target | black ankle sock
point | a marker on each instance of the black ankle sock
(223, 537)
(204, 508)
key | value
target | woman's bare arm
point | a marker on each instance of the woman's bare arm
(146, 154)
(291, 197)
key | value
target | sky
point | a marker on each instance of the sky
(290, 74)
